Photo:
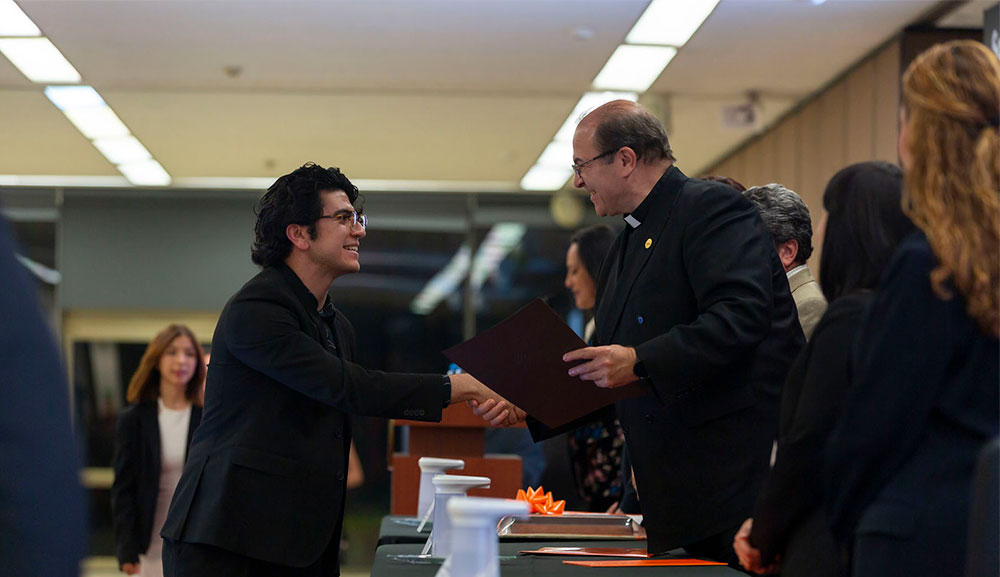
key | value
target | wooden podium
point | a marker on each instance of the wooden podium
(459, 435)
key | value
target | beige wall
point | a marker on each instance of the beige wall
(853, 119)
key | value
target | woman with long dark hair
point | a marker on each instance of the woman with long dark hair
(864, 224)
(925, 397)
(151, 442)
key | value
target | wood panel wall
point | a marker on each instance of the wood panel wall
(853, 119)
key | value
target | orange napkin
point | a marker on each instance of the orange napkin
(541, 502)
(643, 563)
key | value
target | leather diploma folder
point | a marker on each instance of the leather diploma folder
(521, 359)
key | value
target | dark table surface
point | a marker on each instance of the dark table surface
(539, 565)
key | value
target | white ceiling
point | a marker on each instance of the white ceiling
(468, 91)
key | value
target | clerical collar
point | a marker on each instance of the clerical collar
(635, 218)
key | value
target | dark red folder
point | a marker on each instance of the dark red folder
(521, 358)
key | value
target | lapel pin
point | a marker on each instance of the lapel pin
(649, 242)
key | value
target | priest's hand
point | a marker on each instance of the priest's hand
(608, 366)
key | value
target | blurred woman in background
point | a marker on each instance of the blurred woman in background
(595, 448)
(151, 442)
(925, 398)
(864, 224)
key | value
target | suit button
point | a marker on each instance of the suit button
(339, 434)
(340, 476)
(639, 319)
(648, 417)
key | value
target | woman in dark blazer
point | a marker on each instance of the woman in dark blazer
(926, 399)
(864, 224)
(151, 442)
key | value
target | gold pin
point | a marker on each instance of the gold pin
(649, 242)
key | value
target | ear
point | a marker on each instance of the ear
(787, 252)
(298, 235)
(626, 159)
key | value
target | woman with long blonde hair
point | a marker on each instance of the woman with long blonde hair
(926, 397)
(151, 442)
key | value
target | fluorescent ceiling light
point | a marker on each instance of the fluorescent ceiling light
(443, 283)
(97, 122)
(122, 149)
(634, 67)
(145, 173)
(74, 97)
(559, 153)
(39, 60)
(499, 242)
(588, 102)
(546, 177)
(14, 22)
(670, 22)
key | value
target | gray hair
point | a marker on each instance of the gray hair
(785, 216)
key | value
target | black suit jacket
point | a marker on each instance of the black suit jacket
(42, 515)
(265, 476)
(137, 477)
(789, 520)
(704, 300)
(924, 401)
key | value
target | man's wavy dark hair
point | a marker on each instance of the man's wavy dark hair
(294, 199)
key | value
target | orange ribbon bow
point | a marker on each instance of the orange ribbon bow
(541, 502)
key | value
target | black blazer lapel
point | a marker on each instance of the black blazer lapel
(149, 424)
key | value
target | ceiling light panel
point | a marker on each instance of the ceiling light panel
(634, 68)
(546, 177)
(14, 22)
(74, 97)
(122, 149)
(97, 122)
(145, 173)
(558, 153)
(670, 22)
(39, 60)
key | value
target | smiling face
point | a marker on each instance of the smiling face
(177, 364)
(578, 280)
(596, 177)
(337, 241)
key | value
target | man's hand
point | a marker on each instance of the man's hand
(609, 366)
(748, 554)
(484, 401)
(130, 568)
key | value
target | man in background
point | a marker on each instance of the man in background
(787, 219)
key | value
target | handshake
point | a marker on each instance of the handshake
(493, 408)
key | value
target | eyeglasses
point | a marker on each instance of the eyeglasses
(578, 167)
(349, 217)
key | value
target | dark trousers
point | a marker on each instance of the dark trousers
(718, 547)
(197, 560)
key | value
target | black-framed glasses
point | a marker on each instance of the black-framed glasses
(578, 167)
(351, 218)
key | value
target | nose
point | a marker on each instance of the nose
(577, 181)
(358, 232)
(567, 282)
